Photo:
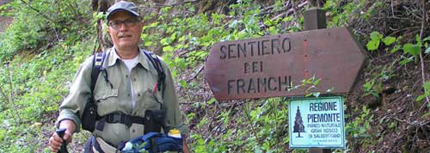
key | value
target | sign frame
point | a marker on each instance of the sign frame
(306, 100)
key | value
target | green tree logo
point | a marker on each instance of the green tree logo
(298, 123)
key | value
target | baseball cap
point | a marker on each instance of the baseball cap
(123, 6)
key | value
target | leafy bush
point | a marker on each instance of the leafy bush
(40, 52)
(38, 22)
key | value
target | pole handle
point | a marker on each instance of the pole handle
(60, 132)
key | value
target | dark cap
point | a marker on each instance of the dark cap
(123, 6)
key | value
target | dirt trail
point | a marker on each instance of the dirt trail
(4, 21)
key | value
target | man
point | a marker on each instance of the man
(125, 87)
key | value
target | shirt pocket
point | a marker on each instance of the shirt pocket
(152, 101)
(106, 100)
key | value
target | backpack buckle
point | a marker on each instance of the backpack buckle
(114, 118)
(155, 89)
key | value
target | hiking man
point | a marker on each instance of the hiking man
(126, 87)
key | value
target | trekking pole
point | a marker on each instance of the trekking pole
(60, 133)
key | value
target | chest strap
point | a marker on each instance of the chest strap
(122, 118)
(153, 120)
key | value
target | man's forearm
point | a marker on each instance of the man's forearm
(69, 125)
(184, 145)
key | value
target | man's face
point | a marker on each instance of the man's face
(124, 30)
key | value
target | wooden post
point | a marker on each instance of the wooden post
(317, 150)
(315, 19)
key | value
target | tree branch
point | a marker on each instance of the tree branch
(175, 4)
(38, 11)
(10, 100)
(295, 12)
(195, 74)
(289, 11)
(246, 110)
(10, 84)
(4, 95)
(423, 22)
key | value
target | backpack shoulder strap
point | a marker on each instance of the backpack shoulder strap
(160, 71)
(95, 71)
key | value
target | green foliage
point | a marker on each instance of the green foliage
(341, 14)
(373, 44)
(359, 127)
(38, 22)
(40, 52)
(426, 114)
(379, 74)
(426, 87)
(309, 84)
(260, 128)
(389, 40)
(36, 91)
(186, 39)
(414, 49)
(376, 39)
(411, 51)
(426, 45)
(369, 88)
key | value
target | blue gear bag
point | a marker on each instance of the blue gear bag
(162, 142)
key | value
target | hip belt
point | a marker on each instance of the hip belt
(119, 117)
(153, 120)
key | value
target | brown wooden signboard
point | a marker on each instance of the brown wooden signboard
(276, 65)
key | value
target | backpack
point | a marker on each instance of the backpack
(90, 115)
(153, 142)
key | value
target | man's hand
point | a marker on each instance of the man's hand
(184, 145)
(55, 141)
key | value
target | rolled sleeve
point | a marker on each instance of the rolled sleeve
(67, 114)
(73, 105)
(173, 113)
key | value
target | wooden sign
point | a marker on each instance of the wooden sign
(276, 65)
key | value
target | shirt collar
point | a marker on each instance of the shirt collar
(114, 57)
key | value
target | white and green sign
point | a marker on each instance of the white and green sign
(317, 122)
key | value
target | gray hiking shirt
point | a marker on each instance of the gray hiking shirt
(118, 97)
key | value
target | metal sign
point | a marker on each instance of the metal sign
(275, 65)
(317, 123)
